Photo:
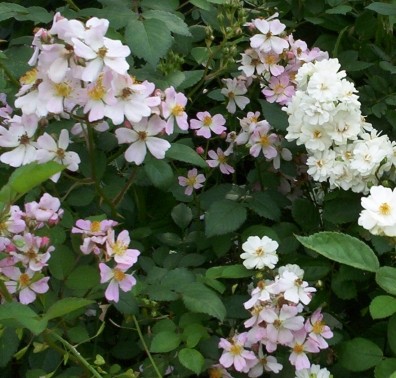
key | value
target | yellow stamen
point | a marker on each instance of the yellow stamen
(24, 280)
(30, 77)
(207, 121)
(118, 275)
(95, 226)
(385, 209)
(236, 350)
(298, 348)
(177, 110)
(264, 141)
(62, 89)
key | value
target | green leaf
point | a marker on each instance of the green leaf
(198, 298)
(193, 333)
(127, 304)
(186, 154)
(387, 66)
(274, 115)
(340, 9)
(190, 78)
(182, 215)
(8, 10)
(223, 217)
(385, 368)
(65, 306)
(16, 315)
(263, 204)
(342, 248)
(164, 342)
(305, 214)
(148, 39)
(119, 16)
(386, 278)
(174, 23)
(159, 172)
(61, 262)
(29, 176)
(382, 306)
(192, 360)
(229, 271)
(36, 14)
(84, 277)
(9, 342)
(383, 8)
(391, 333)
(203, 4)
(359, 354)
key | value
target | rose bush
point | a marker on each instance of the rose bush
(197, 188)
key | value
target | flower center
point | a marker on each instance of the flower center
(24, 280)
(236, 350)
(97, 92)
(207, 121)
(119, 248)
(385, 209)
(177, 110)
(298, 348)
(118, 275)
(60, 152)
(279, 89)
(62, 90)
(191, 181)
(317, 327)
(95, 226)
(270, 59)
(260, 251)
(24, 139)
(264, 141)
(30, 77)
(102, 52)
(142, 135)
(126, 92)
(317, 134)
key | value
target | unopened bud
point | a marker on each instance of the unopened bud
(200, 150)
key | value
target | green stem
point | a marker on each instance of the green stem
(4, 292)
(99, 191)
(76, 354)
(72, 5)
(139, 331)
(118, 198)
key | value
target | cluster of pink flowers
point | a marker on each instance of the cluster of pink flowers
(113, 253)
(80, 73)
(274, 58)
(277, 319)
(25, 255)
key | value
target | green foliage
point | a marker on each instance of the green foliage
(342, 248)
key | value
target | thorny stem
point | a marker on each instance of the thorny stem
(76, 354)
(139, 331)
(121, 194)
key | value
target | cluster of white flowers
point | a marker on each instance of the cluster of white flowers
(325, 117)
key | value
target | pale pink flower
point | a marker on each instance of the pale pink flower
(269, 39)
(96, 97)
(141, 137)
(192, 181)
(281, 323)
(234, 91)
(265, 363)
(49, 149)
(317, 329)
(118, 280)
(235, 354)
(25, 284)
(47, 210)
(119, 249)
(294, 289)
(300, 345)
(251, 62)
(99, 53)
(270, 63)
(279, 90)
(13, 223)
(259, 294)
(262, 141)
(314, 371)
(134, 101)
(219, 159)
(5, 109)
(205, 124)
(32, 256)
(19, 136)
(173, 110)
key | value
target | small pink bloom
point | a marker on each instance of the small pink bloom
(118, 280)
(173, 110)
(205, 124)
(261, 141)
(219, 159)
(119, 248)
(192, 181)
